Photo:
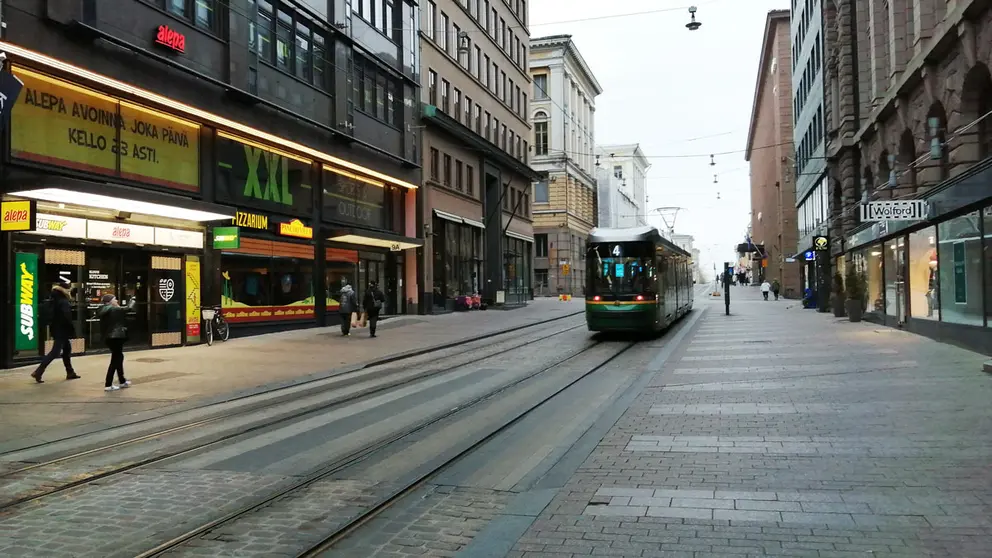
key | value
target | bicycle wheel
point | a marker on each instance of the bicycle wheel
(223, 330)
(210, 334)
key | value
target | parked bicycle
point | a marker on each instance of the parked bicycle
(215, 322)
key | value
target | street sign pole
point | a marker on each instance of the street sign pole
(728, 271)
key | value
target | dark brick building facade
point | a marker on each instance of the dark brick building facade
(298, 131)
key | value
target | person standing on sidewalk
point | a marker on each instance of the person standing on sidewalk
(776, 287)
(372, 302)
(765, 287)
(59, 316)
(114, 330)
(347, 304)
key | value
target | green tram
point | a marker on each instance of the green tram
(636, 280)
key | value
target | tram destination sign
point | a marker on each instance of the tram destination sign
(898, 210)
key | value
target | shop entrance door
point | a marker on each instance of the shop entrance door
(124, 275)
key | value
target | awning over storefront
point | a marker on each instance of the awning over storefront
(519, 236)
(120, 198)
(456, 219)
(374, 238)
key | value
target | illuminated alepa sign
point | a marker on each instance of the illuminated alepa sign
(170, 39)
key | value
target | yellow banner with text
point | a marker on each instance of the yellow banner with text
(63, 124)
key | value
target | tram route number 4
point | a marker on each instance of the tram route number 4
(616, 250)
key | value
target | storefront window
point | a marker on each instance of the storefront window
(988, 266)
(451, 259)
(874, 280)
(960, 254)
(263, 288)
(438, 245)
(336, 274)
(895, 281)
(923, 301)
(166, 311)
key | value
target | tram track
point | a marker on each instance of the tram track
(352, 387)
(347, 370)
(343, 464)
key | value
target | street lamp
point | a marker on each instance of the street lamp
(693, 25)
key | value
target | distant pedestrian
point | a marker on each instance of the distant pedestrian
(58, 313)
(347, 303)
(765, 287)
(113, 327)
(372, 303)
(776, 287)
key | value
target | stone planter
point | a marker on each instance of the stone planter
(854, 310)
(837, 303)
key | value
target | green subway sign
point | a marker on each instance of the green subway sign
(227, 238)
(26, 301)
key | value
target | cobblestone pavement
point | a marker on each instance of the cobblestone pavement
(289, 525)
(165, 377)
(779, 431)
(445, 519)
(118, 518)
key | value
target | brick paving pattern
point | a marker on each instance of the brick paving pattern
(779, 431)
(126, 515)
(441, 522)
(289, 525)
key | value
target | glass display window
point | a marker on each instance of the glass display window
(961, 260)
(874, 280)
(924, 298)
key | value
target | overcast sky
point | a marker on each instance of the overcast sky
(665, 86)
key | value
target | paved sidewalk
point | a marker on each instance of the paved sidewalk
(168, 376)
(783, 431)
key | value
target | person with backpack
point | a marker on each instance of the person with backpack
(114, 330)
(57, 314)
(372, 302)
(347, 303)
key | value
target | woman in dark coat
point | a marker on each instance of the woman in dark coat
(372, 303)
(114, 329)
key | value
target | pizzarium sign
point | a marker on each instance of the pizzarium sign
(899, 210)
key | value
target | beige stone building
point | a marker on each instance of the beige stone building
(476, 195)
(908, 101)
(770, 152)
(563, 115)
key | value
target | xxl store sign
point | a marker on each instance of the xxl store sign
(74, 227)
(251, 175)
(60, 123)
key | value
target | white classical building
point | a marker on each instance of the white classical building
(562, 113)
(625, 169)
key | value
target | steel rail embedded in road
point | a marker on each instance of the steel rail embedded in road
(361, 367)
(368, 450)
(263, 424)
(370, 514)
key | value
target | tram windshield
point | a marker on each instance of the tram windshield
(620, 268)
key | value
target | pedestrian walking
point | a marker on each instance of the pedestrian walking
(765, 287)
(347, 303)
(776, 287)
(57, 311)
(113, 327)
(372, 303)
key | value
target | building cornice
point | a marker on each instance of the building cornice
(570, 51)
